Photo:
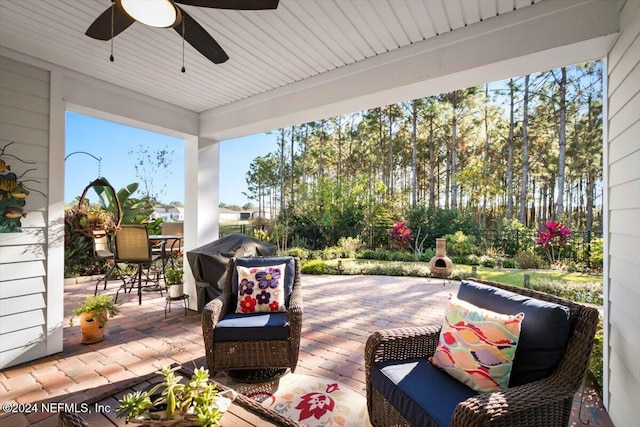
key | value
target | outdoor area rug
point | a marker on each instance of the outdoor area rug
(308, 399)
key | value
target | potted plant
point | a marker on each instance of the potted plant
(197, 401)
(94, 313)
(174, 280)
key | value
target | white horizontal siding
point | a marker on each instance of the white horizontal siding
(21, 304)
(625, 143)
(625, 221)
(21, 270)
(11, 254)
(29, 351)
(623, 370)
(26, 320)
(24, 133)
(27, 237)
(16, 288)
(625, 170)
(18, 338)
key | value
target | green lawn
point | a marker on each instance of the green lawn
(502, 275)
(516, 277)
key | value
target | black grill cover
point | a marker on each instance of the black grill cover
(209, 262)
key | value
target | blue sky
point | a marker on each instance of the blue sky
(113, 141)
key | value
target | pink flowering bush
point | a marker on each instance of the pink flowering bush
(552, 237)
(400, 235)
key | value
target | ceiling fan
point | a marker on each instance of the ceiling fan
(167, 14)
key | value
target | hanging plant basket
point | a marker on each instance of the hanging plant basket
(95, 224)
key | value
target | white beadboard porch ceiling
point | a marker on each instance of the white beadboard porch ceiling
(267, 49)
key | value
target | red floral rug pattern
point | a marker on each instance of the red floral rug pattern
(310, 400)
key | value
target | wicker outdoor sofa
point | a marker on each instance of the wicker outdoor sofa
(405, 389)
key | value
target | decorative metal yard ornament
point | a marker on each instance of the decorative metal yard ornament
(13, 193)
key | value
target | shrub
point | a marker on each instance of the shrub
(367, 254)
(596, 253)
(595, 368)
(260, 234)
(552, 237)
(350, 244)
(380, 255)
(386, 270)
(460, 244)
(464, 260)
(400, 235)
(298, 253)
(313, 267)
(347, 254)
(488, 262)
(329, 253)
(526, 260)
(459, 274)
(299, 241)
(509, 263)
(512, 236)
(473, 260)
(590, 293)
(402, 256)
(426, 255)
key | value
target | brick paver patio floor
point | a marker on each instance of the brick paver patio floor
(340, 312)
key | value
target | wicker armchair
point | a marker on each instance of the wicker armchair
(545, 402)
(240, 353)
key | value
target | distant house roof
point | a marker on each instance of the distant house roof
(229, 211)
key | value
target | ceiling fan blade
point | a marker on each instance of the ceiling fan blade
(101, 28)
(198, 37)
(233, 4)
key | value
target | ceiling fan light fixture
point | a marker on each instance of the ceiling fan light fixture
(154, 13)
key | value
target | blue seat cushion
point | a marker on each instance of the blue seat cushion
(289, 273)
(252, 327)
(423, 394)
(543, 335)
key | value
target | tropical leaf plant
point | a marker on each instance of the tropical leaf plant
(134, 211)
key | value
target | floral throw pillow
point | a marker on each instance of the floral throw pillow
(477, 346)
(260, 289)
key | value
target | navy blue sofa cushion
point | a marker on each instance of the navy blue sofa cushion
(544, 333)
(252, 327)
(423, 394)
(289, 273)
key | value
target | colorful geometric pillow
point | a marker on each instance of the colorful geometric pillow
(477, 346)
(260, 289)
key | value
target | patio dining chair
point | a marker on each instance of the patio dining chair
(169, 249)
(255, 324)
(132, 246)
(102, 252)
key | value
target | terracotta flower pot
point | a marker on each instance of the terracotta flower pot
(92, 325)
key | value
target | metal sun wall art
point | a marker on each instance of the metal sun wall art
(13, 193)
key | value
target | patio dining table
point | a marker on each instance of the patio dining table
(175, 239)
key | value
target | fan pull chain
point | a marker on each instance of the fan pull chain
(112, 25)
(183, 30)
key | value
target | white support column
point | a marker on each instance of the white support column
(55, 219)
(208, 189)
(201, 193)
